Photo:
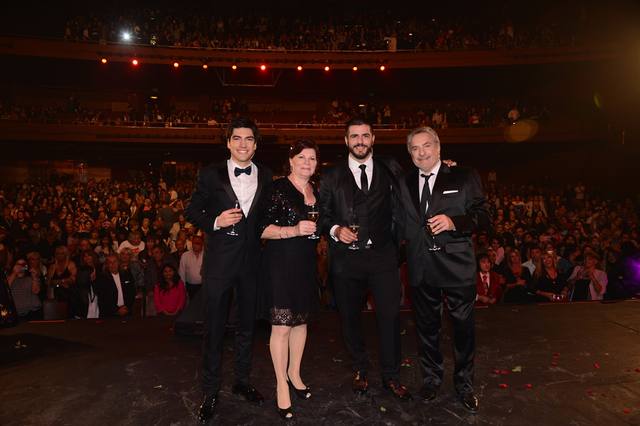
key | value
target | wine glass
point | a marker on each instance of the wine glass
(232, 231)
(431, 237)
(312, 215)
(354, 226)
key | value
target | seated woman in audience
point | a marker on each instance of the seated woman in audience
(588, 282)
(549, 284)
(61, 277)
(517, 279)
(169, 295)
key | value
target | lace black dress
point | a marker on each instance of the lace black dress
(289, 273)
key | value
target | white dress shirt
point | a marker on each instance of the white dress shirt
(190, 267)
(432, 180)
(116, 279)
(244, 186)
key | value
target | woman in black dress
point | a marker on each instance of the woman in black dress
(290, 270)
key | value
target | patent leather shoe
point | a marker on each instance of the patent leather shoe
(469, 401)
(248, 392)
(207, 408)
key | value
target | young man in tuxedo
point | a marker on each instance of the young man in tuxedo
(230, 261)
(452, 201)
(362, 188)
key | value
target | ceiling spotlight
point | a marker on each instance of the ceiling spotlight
(355, 68)
(326, 68)
(126, 36)
(176, 65)
(234, 67)
(263, 67)
(382, 68)
(134, 62)
(205, 66)
(299, 68)
(103, 60)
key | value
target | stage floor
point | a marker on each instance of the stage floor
(535, 365)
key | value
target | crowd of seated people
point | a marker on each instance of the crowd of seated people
(73, 243)
(375, 30)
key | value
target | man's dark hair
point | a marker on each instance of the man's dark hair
(357, 121)
(243, 122)
(482, 256)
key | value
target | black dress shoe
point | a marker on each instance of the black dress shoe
(248, 392)
(398, 390)
(469, 401)
(285, 413)
(428, 393)
(360, 385)
(300, 393)
(207, 408)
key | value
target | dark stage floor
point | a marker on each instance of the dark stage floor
(536, 365)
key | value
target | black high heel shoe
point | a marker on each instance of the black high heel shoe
(285, 413)
(300, 393)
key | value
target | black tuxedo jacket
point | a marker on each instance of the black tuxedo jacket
(337, 192)
(457, 193)
(107, 292)
(225, 255)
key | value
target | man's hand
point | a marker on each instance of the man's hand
(345, 235)
(305, 227)
(229, 217)
(122, 311)
(441, 223)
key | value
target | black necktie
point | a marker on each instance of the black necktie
(426, 194)
(364, 181)
(238, 171)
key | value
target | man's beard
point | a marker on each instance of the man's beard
(367, 152)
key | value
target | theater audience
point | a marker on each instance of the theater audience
(489, 284)
(25, 284)
(587, 281)
(191, 266)
(61, 277)
(517, 279)
(86, 294)
(549, 284)
(116, 289)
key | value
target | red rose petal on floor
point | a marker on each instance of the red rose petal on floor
(596, 365)
(556, 354)
(554, 363)
(504, 372)
(528, 386)
(627, 410)
(496, 371)
(503, 385)
(637, 370)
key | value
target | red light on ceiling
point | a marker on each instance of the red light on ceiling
(299, 68)
(327, 68)
(176, 65)
(205, 66)
(355, 68)
(382, 68)
(103, 60)
(263, 67)
(134, 62)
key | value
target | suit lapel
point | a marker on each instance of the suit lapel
(261, 178)
(223, 175)
(441, 181)
(347, 183)
(411, 180)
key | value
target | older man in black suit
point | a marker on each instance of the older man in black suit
(116, 289)
(450, 201)
(362, 188)
(232, 255)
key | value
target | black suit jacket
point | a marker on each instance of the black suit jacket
(336, 197)
(107, 292)
(466, 205)
(225, 256)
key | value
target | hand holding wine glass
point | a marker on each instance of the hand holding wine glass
(354, 226)
(313, 214)
(230, 218)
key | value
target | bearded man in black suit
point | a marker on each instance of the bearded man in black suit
(441, 262)
(231, 257)
(362, 189)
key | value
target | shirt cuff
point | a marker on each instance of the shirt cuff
(215, 225)
(332, 232)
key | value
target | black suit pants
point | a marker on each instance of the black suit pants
(428, 303)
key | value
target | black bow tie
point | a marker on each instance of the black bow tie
(238, 171)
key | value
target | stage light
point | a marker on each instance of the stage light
(126, 36)
(382, 68)
(153, 97)
(205, 66)
(263, 67)
(234, 67)
(134, 62)
(176, 65)
(299, 68)
(355, 68)
(327, 68)
(103, 60)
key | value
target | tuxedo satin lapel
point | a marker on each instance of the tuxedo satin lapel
(346, 184)
(256, 197)
(436, 196)
(411, 180)
(223, 174)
